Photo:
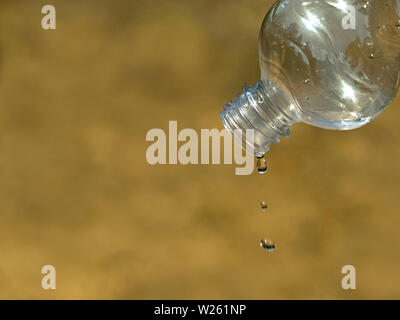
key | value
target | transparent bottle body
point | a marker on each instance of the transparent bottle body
(332, 64)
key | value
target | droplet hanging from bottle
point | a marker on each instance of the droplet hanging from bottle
(262, 166)
(268, 245)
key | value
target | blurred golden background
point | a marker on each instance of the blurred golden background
(76, 191)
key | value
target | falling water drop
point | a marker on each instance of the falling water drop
(268, 245)
(261, 164)
(264, 206)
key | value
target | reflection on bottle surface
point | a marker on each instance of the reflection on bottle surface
(333, 64)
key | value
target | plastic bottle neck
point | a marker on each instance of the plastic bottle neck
(257, 108)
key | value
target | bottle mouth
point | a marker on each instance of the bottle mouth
(252, 110)
(236, 125)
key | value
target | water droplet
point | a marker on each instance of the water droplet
(371, 56)
(307, 81)
(268, 245)
(264, 206)
(261, 164)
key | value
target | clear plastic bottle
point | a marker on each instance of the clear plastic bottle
(332, 64)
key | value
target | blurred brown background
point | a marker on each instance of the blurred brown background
(76, 191)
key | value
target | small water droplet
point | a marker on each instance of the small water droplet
(261, 164)
(268, 245)
(307, 81)
(264, 206)
(371, 56)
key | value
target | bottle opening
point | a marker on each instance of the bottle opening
(253, 109)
